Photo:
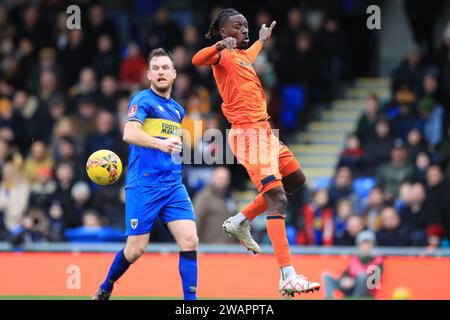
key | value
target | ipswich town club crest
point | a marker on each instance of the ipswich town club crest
(134, 223)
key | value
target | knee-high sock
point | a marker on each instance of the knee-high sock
(255, 208)
(188, 273)
(118, 267)
(276, 230)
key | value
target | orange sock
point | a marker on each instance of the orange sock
(255, 208)
(276, 230)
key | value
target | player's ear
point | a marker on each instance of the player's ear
(174, 73)
(149, 77)
(222, 32)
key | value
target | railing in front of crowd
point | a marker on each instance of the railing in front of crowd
(217, 249)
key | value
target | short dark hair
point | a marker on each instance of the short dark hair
(160, 52)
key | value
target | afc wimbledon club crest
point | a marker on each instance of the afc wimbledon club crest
(134, 223)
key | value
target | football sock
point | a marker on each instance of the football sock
(276, 230)
(239, 218)
(117, 269)
(188, 273)
(255, 208)
(287, 272)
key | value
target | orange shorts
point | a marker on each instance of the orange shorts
(263, 155)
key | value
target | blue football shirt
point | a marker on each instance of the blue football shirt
(161, 118)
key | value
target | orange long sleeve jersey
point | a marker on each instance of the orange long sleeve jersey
(243, 97)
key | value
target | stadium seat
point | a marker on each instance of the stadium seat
(363, 186)
(322, 183)
(94, 234)
(292, 101)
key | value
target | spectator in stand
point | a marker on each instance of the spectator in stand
(353, 281)
(109, 93)
(212, 206)
(432, 116)
(65, 151)
(443, 154)
(409, 73)
(377, 150)
(43, 188)
(33, 27)
(392, 233)
(7, 29)
(399, 170)
(12, 119)
(351, 156)
(373, 208)
(104, 137)
(438, 191)
(404, 196)
(34, 227)
(85, 119)
(444, 62)
(106, 60)
(86, 87)
(404, 116)
(65, 176)
(342, 186)
(422, 164)
(344, 210)
(14, 194)
(81, 199)
(368, 120)
(295, 25)
(39, 157)
(98, 25)
(418, 217)
(74, 56)
(48, 87)
(163, 31)
(318, 224)
(333, 48)
(355, 224)
(191, 40)
(132, 67)
(416, 143)
(110, 201)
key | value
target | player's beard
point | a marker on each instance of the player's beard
(162, 88)
(243, 45)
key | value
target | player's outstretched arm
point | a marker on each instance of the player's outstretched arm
(264, 34)
(133, 134)
(211, 55)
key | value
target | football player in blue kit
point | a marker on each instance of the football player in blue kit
(154, 185)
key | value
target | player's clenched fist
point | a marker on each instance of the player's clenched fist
(170, 145)
(228, 43)
(264, 32)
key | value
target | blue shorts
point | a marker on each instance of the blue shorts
(144, 204)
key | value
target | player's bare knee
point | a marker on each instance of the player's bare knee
(276, 201)
(189, 243)
(294, 181)
(134, 250)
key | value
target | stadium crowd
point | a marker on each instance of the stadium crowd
(64, 94)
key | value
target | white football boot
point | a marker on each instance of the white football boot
(297, 284)
(242, 233)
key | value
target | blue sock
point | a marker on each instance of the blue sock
(188, 273)
(117, 269)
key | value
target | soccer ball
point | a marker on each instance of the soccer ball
(104, 167)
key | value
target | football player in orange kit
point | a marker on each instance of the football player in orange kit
(271, 166)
